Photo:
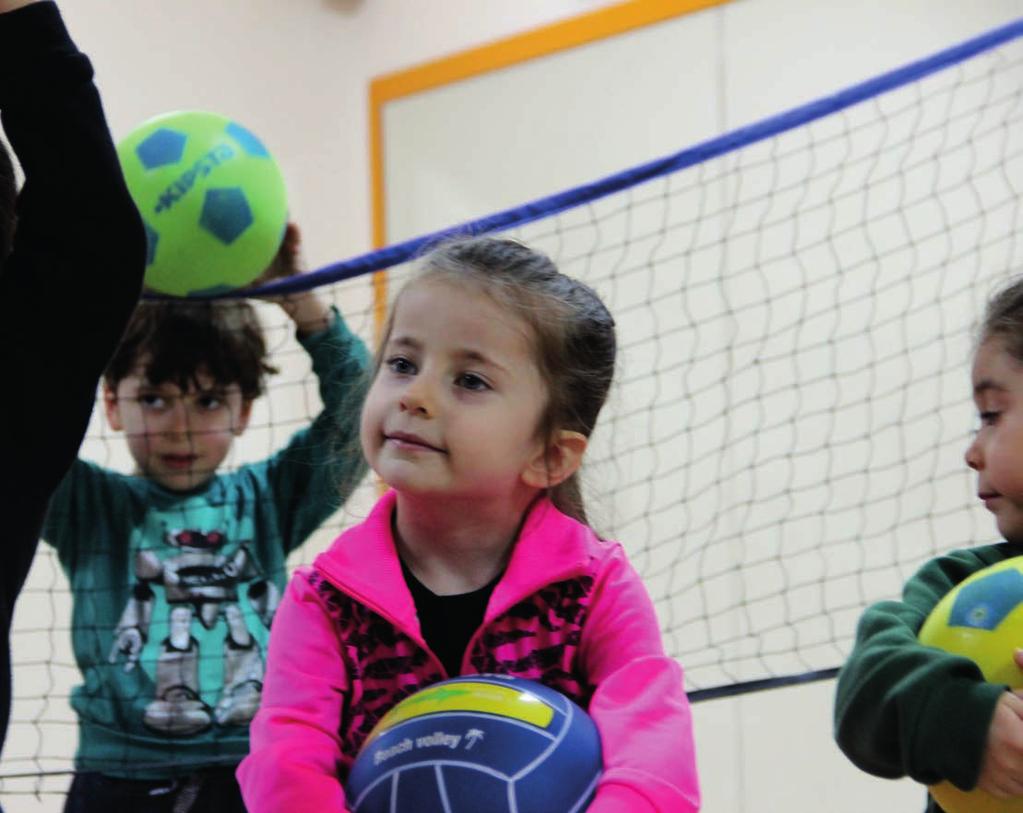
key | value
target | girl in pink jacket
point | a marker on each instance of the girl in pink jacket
(489, 379)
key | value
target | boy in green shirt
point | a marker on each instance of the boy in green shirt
(176, 569)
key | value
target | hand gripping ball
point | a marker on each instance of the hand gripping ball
(981, 619)
(478, 743)
(212, 199)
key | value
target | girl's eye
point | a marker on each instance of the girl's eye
(471, 381)
(988, 417)
(400, 365)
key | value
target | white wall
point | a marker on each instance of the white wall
(296, 73)
(464, 150)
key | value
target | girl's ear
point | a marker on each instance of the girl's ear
(111, 408)
(557, 461)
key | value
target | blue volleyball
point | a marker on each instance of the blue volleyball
(478, 743)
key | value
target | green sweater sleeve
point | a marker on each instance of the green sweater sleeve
(322, 464)
(91, 506)
(903, 708)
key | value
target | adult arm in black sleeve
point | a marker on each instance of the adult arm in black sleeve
(68, 286)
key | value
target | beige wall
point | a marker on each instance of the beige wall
(296, 73)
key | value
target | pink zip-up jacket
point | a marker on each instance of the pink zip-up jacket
(569, 612)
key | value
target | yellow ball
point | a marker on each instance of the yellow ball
(981, 619)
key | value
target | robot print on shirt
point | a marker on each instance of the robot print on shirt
(198, 602)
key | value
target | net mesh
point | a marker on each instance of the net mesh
(784, 441)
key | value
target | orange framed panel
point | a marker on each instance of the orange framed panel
(540, 42)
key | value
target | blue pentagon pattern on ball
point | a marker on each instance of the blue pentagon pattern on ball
(152, 238)
(246, 140)
(162, 148)
(225, 214)
(985, 603)
(479, 743)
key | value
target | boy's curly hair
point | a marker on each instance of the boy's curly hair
(175, 341)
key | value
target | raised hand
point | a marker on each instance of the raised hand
(307, 309)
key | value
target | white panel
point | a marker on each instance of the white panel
(533, 129)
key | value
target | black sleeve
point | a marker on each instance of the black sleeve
(75, 272)
(68, 286)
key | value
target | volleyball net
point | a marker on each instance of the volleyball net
(795, 303)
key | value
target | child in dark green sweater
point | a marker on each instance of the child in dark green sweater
(903, 708)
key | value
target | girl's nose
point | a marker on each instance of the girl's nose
(416, 398)
(974, 458)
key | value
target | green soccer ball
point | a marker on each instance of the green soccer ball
(212, 199)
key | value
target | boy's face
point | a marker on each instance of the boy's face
(996, 453)
(177, 438)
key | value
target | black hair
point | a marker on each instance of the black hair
(176, 340)
(1003, 318)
